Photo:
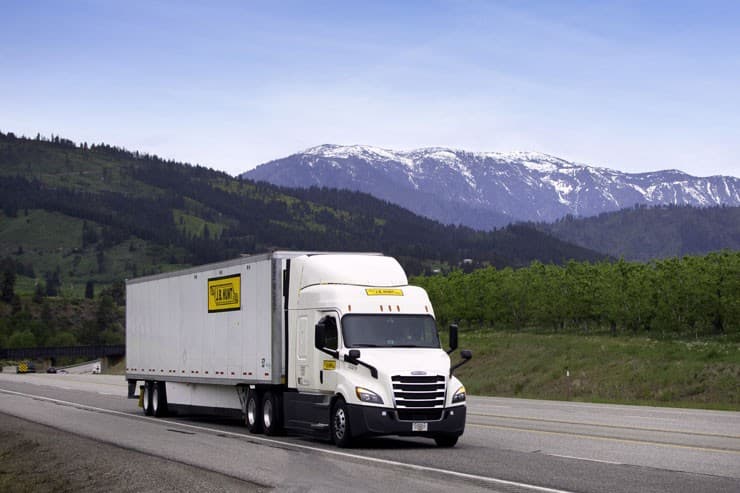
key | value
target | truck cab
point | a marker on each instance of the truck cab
(364, 353)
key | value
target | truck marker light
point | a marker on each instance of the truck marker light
(398, 308)
(390, 308)
(381, 308)
(349, 308)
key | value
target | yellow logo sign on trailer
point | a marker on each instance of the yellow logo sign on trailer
(224, 293)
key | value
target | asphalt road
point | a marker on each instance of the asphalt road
(509, 444)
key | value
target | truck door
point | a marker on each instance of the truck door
(325, 364)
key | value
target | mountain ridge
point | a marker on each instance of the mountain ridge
(491, 189)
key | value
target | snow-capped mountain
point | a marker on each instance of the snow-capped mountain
(490, 189)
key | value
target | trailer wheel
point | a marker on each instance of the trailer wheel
(341, 433)
(146, 402)
(253, 417)
(159, 399)
(446, 441)
(272, 414)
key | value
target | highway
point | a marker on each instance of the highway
(510, 445)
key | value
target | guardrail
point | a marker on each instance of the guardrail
(96, 351)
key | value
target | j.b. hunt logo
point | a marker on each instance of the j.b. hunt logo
(224, 293)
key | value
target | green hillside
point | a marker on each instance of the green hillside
(74, 214)
(646, 233)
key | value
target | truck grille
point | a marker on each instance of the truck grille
(414, 392)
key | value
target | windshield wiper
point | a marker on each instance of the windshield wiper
(364, 345)
(407, 345)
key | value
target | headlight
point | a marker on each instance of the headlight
(368, 395)
(459, 395)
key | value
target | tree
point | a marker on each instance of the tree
(61, 339)
(7, 288)
(20, 339)
(16, 304)
(39, 292)
(90, 289)
(52, 283)
(106, 316)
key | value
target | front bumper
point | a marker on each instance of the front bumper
(367, 420)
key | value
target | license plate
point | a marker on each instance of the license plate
(419, 426)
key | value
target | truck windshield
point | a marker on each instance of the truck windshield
(389, 331)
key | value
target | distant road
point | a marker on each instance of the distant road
(509, 444)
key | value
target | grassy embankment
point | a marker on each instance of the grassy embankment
(625, 370)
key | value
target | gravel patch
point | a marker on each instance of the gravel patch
(37, 458)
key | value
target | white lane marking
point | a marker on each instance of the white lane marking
(648, 417)
(108, 393)
(254, 438)
(586, 458)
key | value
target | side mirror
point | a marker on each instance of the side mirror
(466, 355)
(320, 339)
(453, 338)
(354, 354)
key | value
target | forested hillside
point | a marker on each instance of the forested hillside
(645, 233)
(79, 213)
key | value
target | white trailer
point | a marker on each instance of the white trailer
(330, 344)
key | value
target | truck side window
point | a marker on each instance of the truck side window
(332, 339)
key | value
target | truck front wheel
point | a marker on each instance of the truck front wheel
(341, 433)
(253, 418)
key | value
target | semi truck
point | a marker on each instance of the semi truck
(335, 345)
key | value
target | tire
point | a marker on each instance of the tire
(159, 399)
(341, 431)
(272, 415)
(253, 416)
(147, 399)
(446, 441)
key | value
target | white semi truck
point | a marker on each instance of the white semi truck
(331, 344)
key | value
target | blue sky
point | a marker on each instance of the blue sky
(635, 86)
